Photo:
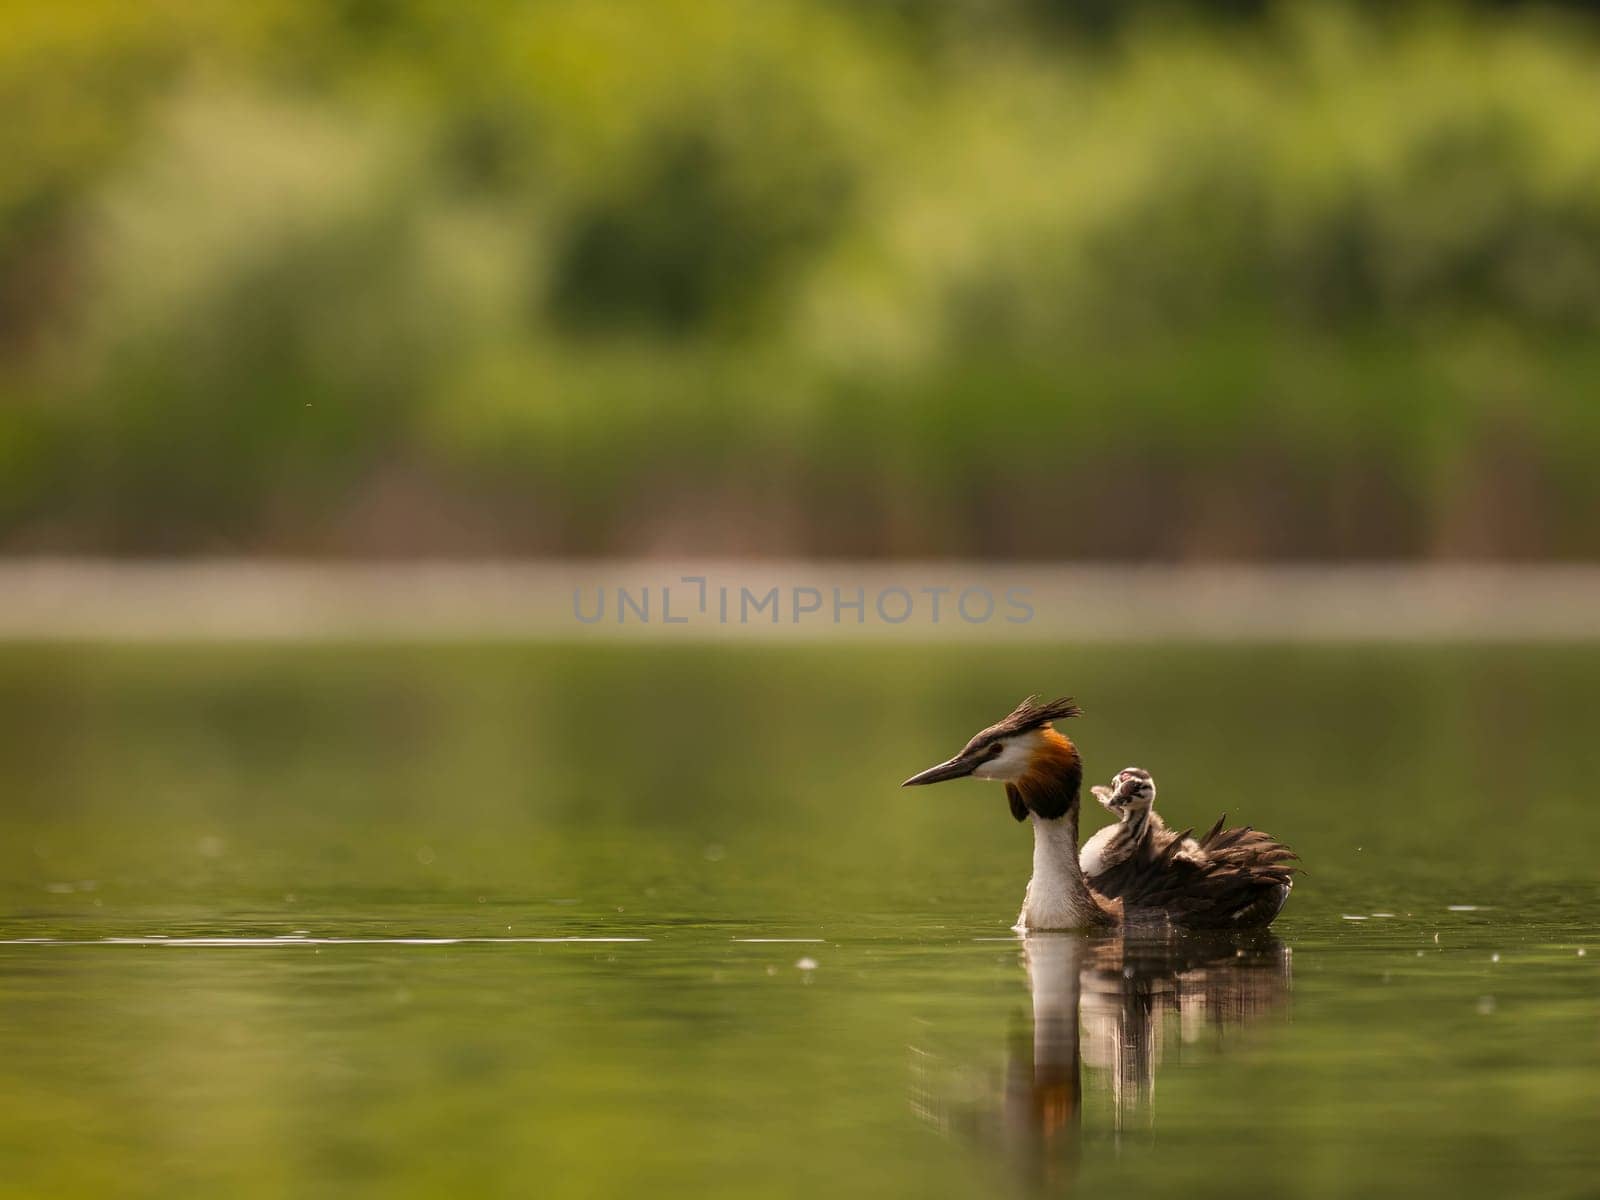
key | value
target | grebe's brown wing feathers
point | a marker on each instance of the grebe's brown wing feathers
(1248, 847)
(1239, 880)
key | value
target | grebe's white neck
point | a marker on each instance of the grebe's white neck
(1057, 896)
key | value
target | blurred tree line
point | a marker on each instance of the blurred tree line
(1006, 278)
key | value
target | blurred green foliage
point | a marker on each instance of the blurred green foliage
(1015, 280)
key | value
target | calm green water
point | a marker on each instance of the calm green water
(813, 987)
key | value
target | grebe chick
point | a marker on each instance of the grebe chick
(1131, 799)
(1240, 880)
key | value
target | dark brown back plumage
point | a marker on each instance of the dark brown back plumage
(1238, 880)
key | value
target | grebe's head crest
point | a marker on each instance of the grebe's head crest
(1021, 744)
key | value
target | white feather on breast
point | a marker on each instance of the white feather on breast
(1091, 859)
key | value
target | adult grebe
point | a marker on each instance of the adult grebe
(1237, 879)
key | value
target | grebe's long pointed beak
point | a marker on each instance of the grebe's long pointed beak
(953, 768)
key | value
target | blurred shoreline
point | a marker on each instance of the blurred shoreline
(777, 601)
(1183, 282)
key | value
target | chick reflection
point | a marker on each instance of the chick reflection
(1112, 1004)
(1133, 993)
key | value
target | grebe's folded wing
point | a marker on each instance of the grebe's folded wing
(1239, 880)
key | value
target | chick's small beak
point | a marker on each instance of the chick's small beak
(953, 768)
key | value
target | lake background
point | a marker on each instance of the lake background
(711, 802)
(343, 341)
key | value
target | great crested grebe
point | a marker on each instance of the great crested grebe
(1238, 879)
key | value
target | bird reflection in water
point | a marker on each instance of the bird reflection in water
(1114, 1005)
